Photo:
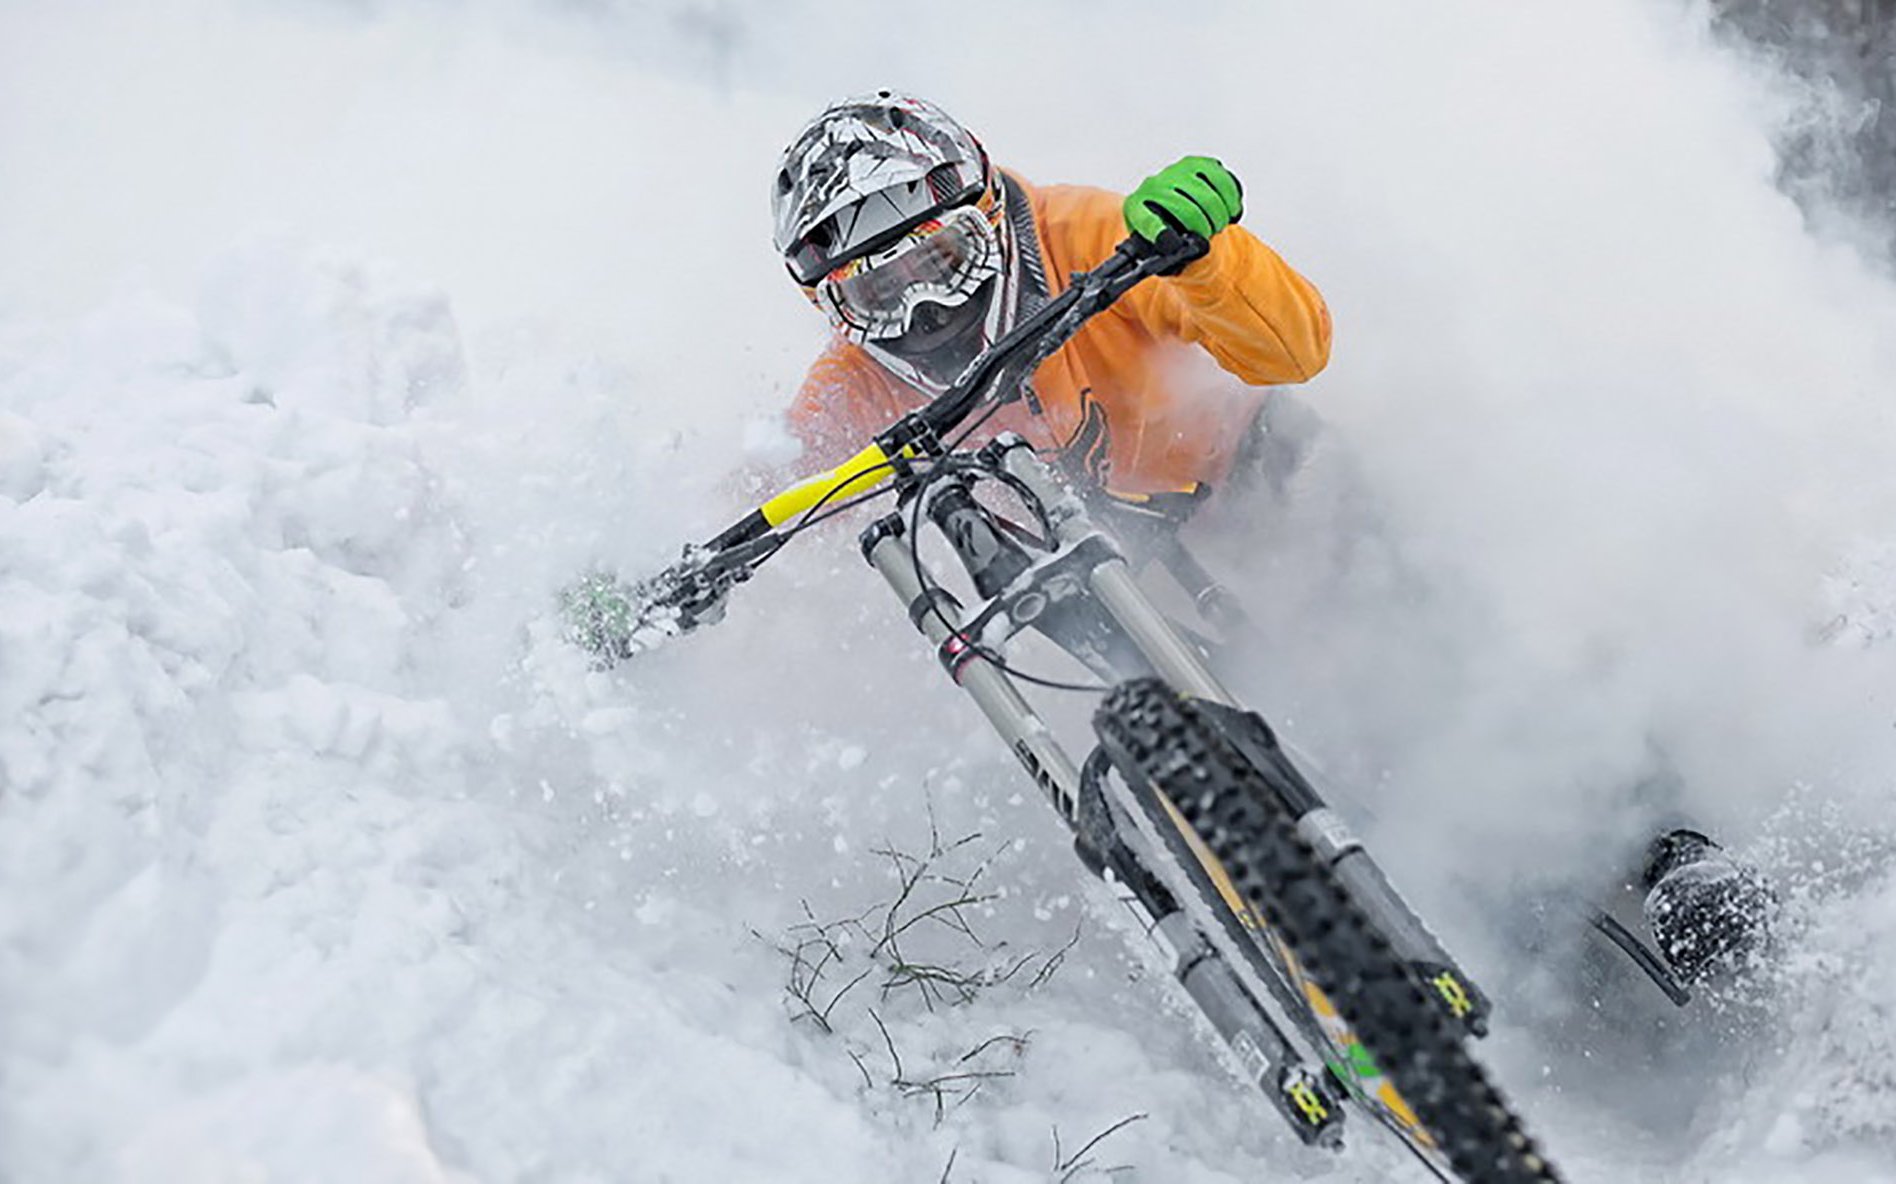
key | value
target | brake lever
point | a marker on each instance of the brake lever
(615, 620)
(696, 586)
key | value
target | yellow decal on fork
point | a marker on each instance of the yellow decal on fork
(1453, 993)
(1309, 1103)
(1355, 1059)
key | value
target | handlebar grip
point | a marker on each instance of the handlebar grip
(1172, 252)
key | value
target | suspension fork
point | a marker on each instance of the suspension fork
(938, 615)
(1179, 664)
(1254, 1035)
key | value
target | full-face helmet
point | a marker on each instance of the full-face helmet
(894, 222)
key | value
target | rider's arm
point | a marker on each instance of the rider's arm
(1247, 307)
(1242, 303)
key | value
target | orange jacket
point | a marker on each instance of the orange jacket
(1241, 303)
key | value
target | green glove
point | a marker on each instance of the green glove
(615, 620)
(1197, 195)
(597, 611)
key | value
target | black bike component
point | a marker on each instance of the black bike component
(932, 602)
(1182, 247)
(1170, 743)
(889, 526)
(752, 526)
(1642, 956)
(1097, 839)
(1247, 732)
(691, 591)
(1052, 603)
(1213, 600)
(995, 451)
(993, 559)
(912, 435)
(1311, 1102)
(1094, 835)
(1051, 600)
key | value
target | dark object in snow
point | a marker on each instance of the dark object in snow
(1708, 911)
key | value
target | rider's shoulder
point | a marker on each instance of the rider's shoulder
(1066, 201)
(1074, 220)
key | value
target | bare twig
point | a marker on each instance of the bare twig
(884, 943)
(1016, 1040)
(960, 1086)
(868, 1082)
(1076, 1163)
(889, 1041)
(1054, 961)
(814, 954)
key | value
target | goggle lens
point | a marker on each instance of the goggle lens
(943, 261)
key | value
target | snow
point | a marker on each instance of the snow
(337, 337)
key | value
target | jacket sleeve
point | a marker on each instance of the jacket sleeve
(1242, 303)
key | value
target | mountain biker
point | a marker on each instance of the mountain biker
(921, 253)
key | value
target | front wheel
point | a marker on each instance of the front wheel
(1161, 742)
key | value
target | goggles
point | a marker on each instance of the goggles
(943, 260)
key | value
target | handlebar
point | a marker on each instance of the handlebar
(691, 591)
(1009, 361)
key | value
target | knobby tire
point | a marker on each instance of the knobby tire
(1155, 735)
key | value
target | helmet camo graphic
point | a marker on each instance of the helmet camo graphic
(863, 172)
